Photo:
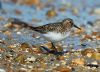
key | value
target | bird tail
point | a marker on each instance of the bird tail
(23, 24)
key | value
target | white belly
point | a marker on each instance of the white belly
(54, 36)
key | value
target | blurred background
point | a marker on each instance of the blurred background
(40, 12)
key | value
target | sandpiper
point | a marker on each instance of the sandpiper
(53, 32)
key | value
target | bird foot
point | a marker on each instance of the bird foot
(55, 52)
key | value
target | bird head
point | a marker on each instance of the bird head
(69, 23)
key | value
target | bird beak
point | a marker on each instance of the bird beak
(77, 27)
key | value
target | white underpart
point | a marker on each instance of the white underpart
(55, 37)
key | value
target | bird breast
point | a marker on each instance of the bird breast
(55, 36)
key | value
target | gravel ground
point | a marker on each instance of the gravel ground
(20, 48)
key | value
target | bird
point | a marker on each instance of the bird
(53, 32)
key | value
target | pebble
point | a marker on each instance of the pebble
(2, 70)
(18, 12)
(51, 13)
(96, 56)
(57, 64)
(96, 11)
(93, 64)
(75, 11)
(96, 27)
(88, 52)
(31, 59)
(78, 61)
(63, 69)
(18, 33)
(63, 62)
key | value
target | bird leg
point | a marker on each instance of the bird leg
(53, 46)
(54, 51)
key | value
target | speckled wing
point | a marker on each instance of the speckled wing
(41, 29)
(46, 28)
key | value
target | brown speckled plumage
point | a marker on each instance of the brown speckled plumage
(62, 27)
(50, 27)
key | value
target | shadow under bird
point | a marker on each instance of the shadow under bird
(53, 32)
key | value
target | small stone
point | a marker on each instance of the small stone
(57, 64)
(63, 69)
(14, 1)
(88, 52)
(2, 18)
(98, 50)
(2, 70)
(25, 45)
(63, 62)
(96, 11)
(37, 36)
(32, 2)
(18, 12)
(30, 66)
(18, 33)
(62, 9)
(61, 58)
(31, 59)
(22, 70)
(2, 49)
(9, 25)
(88, 37)
(8, 33)
(78, 61)
(98, 37)
(75, 11)
(96, 27)
(95, 33)
(12, 46)
(94, 37)
(93, 64)
(96, 56)
(51, 13)
(20, 58)
(2, 42)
